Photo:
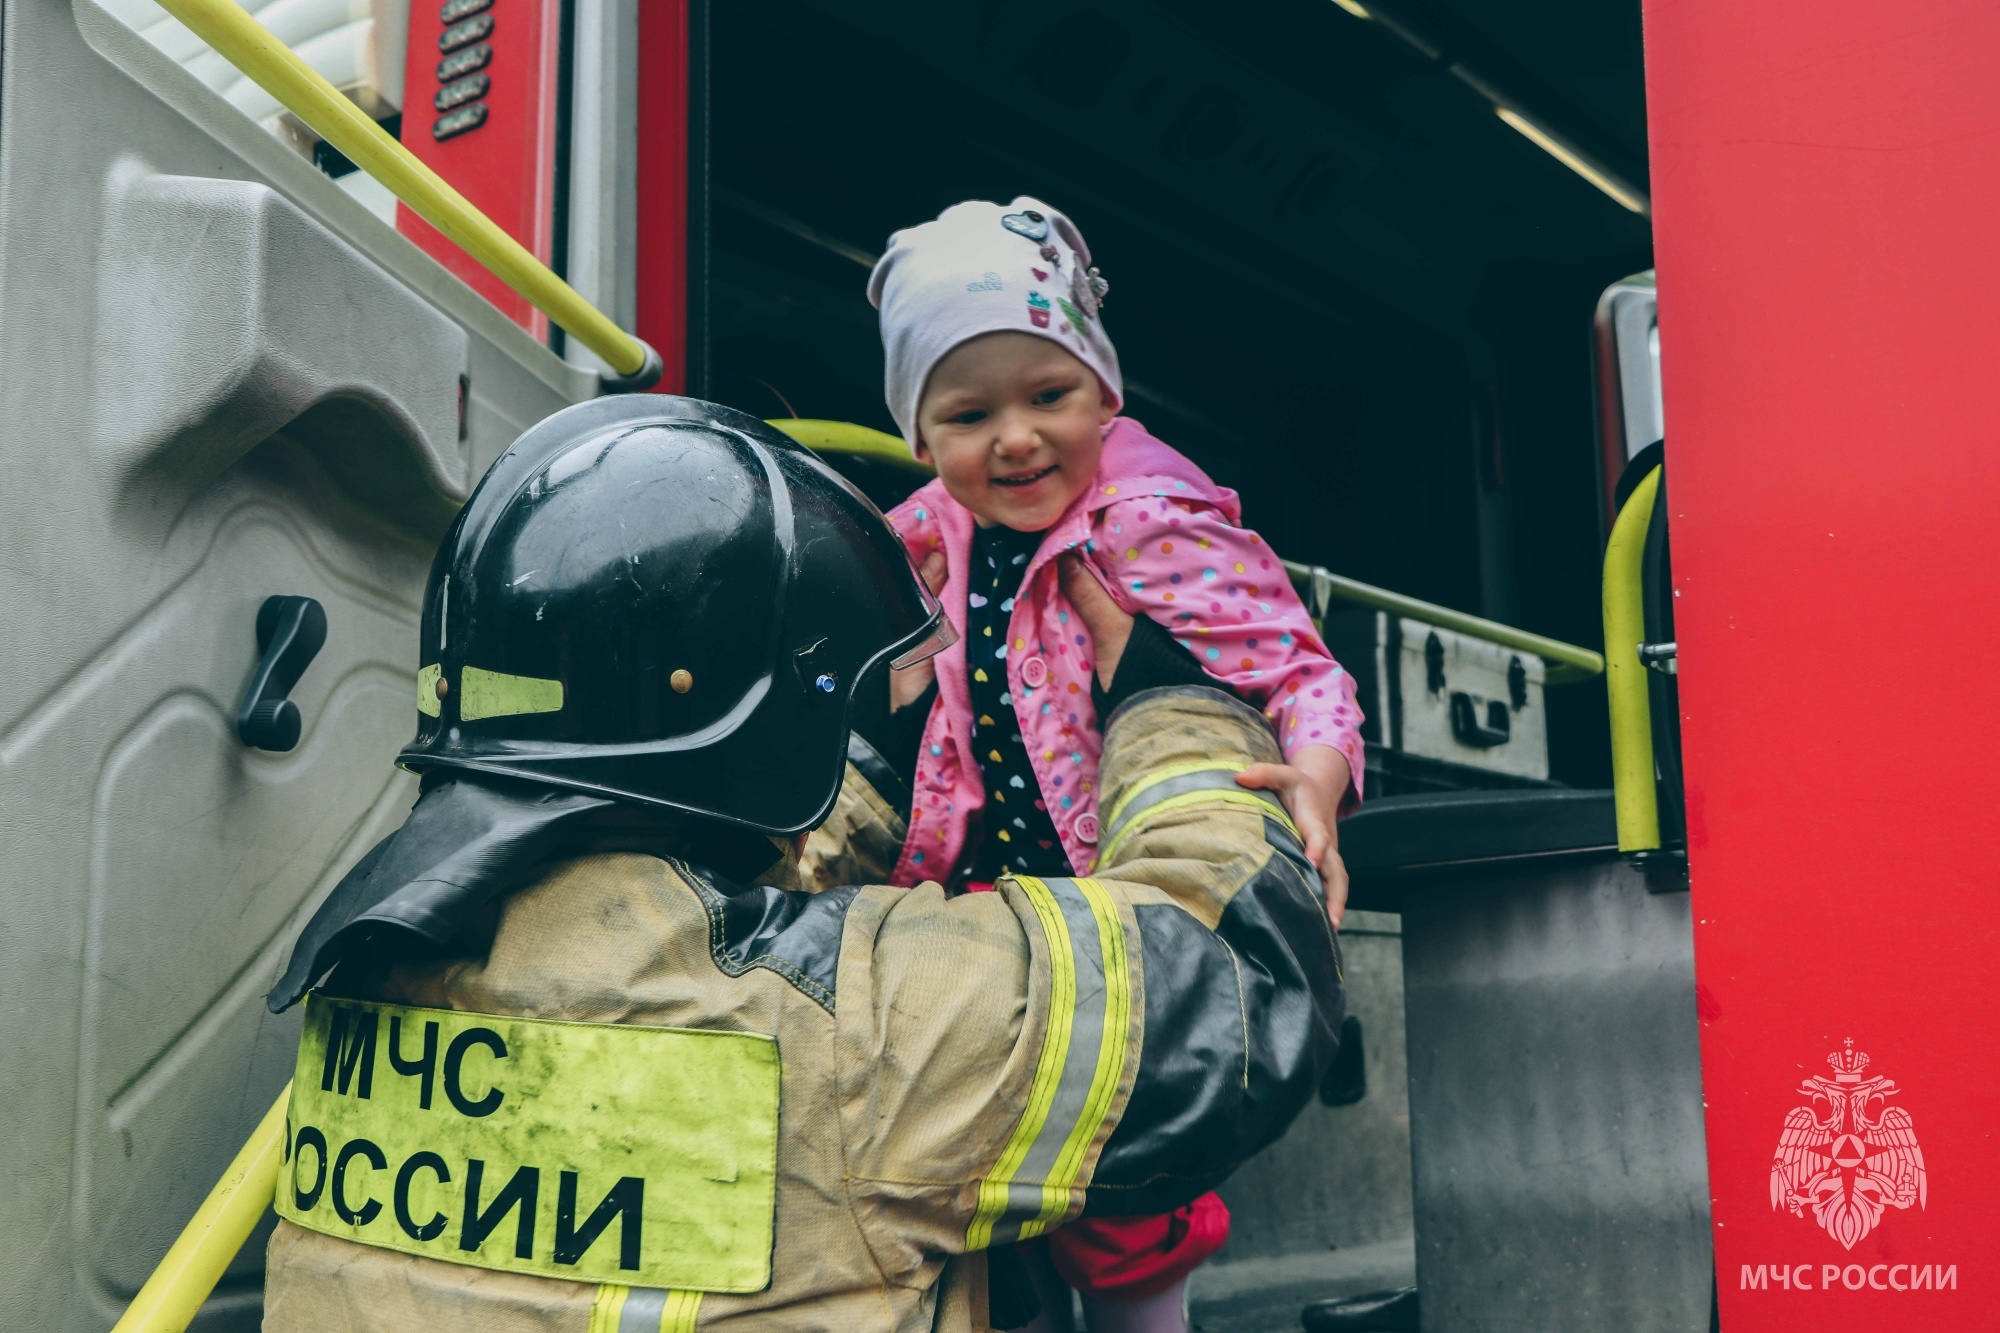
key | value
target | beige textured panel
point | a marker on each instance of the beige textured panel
(224, 381)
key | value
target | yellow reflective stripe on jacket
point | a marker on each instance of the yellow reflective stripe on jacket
(1078, 1072)
(993, 1191)
(620, 1309)
(1110, 1057)
(1192, 790)
(622, 1154)
(1112, 817)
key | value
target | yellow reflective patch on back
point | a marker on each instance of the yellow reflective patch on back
(427, 690)
(637, 1156)
(485, 693)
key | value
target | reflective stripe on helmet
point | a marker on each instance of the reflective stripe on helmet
(1034, 1184)
(485, 693)
(428, 702)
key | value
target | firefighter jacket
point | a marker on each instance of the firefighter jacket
(949, 1073)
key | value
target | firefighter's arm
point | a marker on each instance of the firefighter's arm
(1119, 1043)
(1242, 998)
(861, 839)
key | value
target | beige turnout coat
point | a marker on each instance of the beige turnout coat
(956, 1072)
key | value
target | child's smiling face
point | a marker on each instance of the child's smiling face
(1014, 426)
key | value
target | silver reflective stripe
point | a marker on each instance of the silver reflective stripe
(644, 1308)
(1025, 1195)
(1168, 788)
(1079, 1070)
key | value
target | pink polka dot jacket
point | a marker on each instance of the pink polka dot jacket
(1167, 542)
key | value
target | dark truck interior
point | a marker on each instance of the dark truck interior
(1341, 282)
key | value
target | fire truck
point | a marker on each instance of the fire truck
(1670, 952)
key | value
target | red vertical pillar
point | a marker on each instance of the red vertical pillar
(663, 194)
(479, 106)
(1826, 189)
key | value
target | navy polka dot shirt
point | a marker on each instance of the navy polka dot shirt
(1018, 836)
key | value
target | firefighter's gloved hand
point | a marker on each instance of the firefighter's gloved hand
(908, 685)
(1313, 786)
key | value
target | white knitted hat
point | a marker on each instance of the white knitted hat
(981, 268)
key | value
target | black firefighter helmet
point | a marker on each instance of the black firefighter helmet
(665, 601)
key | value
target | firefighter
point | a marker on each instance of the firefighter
(584, 1049)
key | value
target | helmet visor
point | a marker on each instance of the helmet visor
(906, 624)
(935, 640)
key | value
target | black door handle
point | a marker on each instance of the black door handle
(290, 633)
(1465, 723)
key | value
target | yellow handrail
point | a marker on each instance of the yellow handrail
(1569, 662)
(1632, 782)
(844, 437)
(173, 1295)
(278, 70)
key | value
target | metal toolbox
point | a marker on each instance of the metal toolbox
(1433, 696)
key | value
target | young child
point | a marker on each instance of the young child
(1000, 374)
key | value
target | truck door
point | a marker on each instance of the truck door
(1827, 199)
(227, 379)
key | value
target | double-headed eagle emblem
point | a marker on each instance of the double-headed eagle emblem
(1846, 1154)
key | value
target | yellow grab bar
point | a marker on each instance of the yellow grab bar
(278, 70)
(173, 1295)
(1570, 663)
(1632, 782)
(844, 437)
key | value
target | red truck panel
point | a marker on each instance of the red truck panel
(506, 165)
(1826, 186)
(664, 128)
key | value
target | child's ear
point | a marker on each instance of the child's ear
(924, 453)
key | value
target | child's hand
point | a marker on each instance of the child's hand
(1312, 787)
(908, 685)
